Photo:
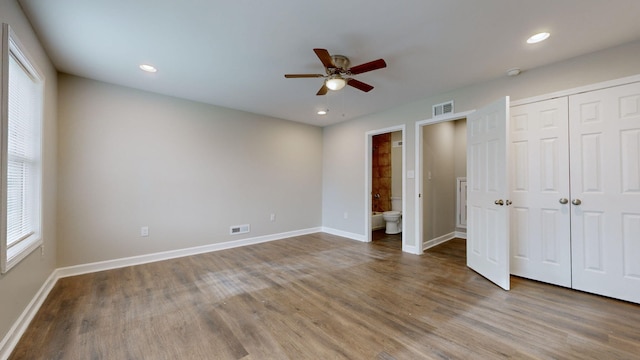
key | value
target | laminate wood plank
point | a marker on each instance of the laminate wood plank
(322, 296)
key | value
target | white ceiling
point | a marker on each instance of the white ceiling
(235, 53)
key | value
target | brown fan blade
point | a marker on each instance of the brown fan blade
(359, 85)
(323, 90)
(324, 56)
(370, 66)
(293, 76)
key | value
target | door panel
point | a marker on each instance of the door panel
(488, 222)
(540, 228)
(605, 168)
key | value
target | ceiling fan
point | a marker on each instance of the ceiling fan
(338, 73)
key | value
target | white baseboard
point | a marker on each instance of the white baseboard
(173, 254)
(439, 240)
(345, 234)
(20, 326)
(411, 249)
(461, 234)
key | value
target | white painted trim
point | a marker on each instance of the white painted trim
(172, 254)
(20, 326)
(418, 172)
(461, 234)
(439, 240)
(411, 249)
(367, 179)
(578, 90)
(345, 234)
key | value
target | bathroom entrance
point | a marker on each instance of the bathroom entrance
(385, 149)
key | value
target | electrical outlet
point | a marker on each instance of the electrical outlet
(144, 231)
(273, 217)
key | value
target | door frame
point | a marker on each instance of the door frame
(418, 172)
(368, 178)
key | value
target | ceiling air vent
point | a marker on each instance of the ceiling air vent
(442, 109)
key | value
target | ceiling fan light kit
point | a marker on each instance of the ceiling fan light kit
(336, 82)
(338, 72)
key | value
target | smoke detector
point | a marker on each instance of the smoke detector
(513, 72)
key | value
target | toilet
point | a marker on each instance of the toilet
(393, 218)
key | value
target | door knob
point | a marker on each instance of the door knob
(499, 202)
(564, 201)
(576, 202)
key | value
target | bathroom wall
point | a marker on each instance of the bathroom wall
(396, 165)
(381, 172)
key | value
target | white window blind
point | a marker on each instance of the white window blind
(21, 153)
(21, 113)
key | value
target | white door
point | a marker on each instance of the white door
(605, 188)
(540, 213)
(488, 215)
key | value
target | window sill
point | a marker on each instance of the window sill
(20, 251)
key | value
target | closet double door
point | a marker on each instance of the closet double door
(575, 191)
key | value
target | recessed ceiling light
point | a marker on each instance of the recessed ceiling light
(148, 68)
(322, 112)
(538, 37)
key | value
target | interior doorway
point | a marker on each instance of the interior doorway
(440, 170)
(385, 165)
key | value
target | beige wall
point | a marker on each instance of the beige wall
(186, 170)
(460, 148)
(20, 284)
(439, 181)
(344, 150)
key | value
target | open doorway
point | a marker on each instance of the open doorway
(385, 185)
(488, 221)
(440, 180)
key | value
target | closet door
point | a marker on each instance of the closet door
(605, 188)
(540, 221)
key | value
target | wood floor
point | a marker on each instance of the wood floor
(323, 297)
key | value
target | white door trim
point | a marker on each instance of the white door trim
(367, 179)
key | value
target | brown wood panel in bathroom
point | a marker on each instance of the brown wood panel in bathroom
(381, 173)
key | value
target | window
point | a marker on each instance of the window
(21, 139)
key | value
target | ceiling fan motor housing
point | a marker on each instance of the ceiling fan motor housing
(340, 61)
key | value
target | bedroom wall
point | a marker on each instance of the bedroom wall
(344, 144)
(21, 283)
(186, 170)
